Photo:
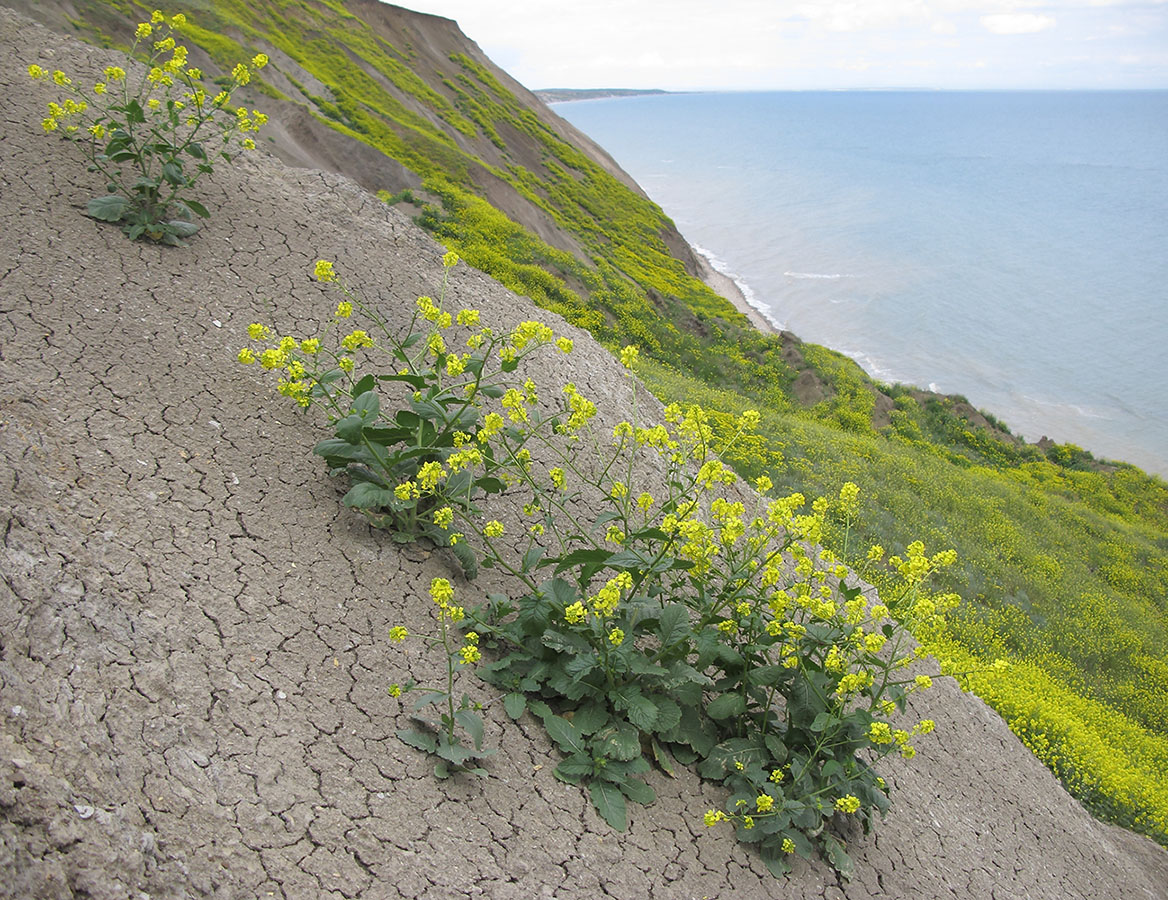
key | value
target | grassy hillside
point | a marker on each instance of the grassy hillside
(1064, 560)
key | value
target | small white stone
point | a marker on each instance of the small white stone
(281, 695)
(84, 810)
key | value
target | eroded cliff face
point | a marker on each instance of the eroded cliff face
(423, 84)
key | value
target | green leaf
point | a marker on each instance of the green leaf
(181, 228)
(579, 667)
(417, 739)
(583, 558)
(726, 705)
(196, 150)
(642, 711)
(837, 856)
(173, 173)
(515, 703)
(673, 624)
(564, 733)
(822, 721)
(197, 208)
(368, 496)
(365, 385)
(472, 724)
(663, 759)
(610, 803)
(767, 676)
(531, 558)
(467, 558)
(724, 757)
(349, 428)
(620, 740)
(638, 792)
(454, 753)
(575, 768)
(668, 714)
(367, 405)
(110, 208)
(590, 717)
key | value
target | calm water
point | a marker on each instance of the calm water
(1012, 247)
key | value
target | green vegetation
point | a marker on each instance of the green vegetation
(1062, 560)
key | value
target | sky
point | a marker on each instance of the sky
(819, 44)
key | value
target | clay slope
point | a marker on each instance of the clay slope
(193, 650)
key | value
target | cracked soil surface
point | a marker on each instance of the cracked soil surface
(193, 631)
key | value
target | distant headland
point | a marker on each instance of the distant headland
(565, 95)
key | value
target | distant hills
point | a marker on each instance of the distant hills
(565, 95)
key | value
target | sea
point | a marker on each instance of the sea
(1008, 246)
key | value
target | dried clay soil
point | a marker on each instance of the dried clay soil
(193, 649)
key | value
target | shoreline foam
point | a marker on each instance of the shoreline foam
(731, 289)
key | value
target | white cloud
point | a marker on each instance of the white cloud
(1017, 23)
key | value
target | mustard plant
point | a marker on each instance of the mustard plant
(409, 468)
(152, 136)
(694, 625)
(683, 628)
(441, 738)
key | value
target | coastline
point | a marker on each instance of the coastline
(728, 288)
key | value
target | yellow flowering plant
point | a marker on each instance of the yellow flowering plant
(154, 134)
(684, 626)
(410, 468)
(441, 738)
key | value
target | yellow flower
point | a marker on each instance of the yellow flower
(923, 682)
(764, 802)
(346, 364)
(241, 74)
(324, 271)
(444, 518)
(450, 259)
(628, 356)
(575, 613)
(398, 633)
(115, 73)
(246, 356)
(441, 592)
(248, 144)
(259, 60)
(470, 654)
(468, 317)
(880, 733)
(847, 803)
(356, 340)
(157, 17)
(788, 845)
(61, 79)
(430, 474)
(713, 817)
(616, 637)
(493, 529)
(407, 490)
(35, 71)
(564, 344)
(143, 31)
